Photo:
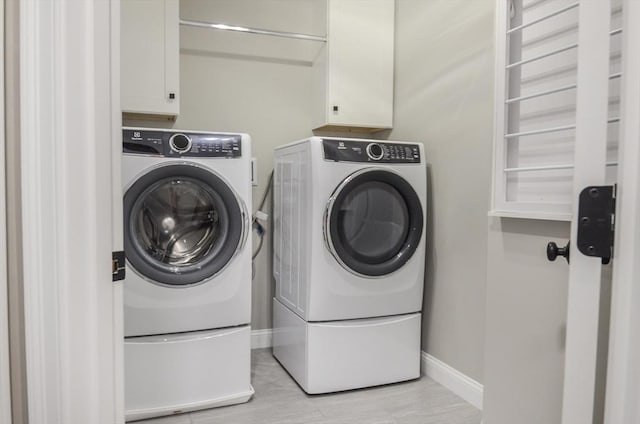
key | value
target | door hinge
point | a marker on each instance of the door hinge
(117, 265)
(596, 221)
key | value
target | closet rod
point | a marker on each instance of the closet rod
(226, 27)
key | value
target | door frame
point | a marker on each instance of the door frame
(5, 376)
(70, 130)
(581, 352)
(623, 375)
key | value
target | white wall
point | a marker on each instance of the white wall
(249, 83)
(444, 99)
(526, 322)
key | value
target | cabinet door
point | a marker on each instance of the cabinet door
(150, 56)
(360, 63)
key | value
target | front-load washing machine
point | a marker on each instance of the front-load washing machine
(349, 248)
(187, 291)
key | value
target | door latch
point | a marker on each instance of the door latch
(596, 221)
(117, 265)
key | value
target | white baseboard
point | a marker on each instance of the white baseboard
(261, 339)
(460, 384)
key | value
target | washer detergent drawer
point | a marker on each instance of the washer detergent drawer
(175, 373)
(343, 355)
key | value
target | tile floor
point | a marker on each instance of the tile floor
(278, 400)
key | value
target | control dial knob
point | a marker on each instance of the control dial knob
(374, 151)
(180, 143)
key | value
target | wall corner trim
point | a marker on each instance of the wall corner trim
(449, 377)
(261, 339)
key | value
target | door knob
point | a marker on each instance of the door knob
(553, 251)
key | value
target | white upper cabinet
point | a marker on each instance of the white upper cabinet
(150, 49)
(353, 74)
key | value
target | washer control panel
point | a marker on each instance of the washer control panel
(179, 144)
(346, 150)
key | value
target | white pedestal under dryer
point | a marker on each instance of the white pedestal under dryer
(349, 248)
(187, 291)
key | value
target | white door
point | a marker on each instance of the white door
(5, 395)
(549, 195)
(581, 361)
(590, 164)
(71, 210)
(623, 376)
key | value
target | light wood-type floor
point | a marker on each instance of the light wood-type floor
(279, 400)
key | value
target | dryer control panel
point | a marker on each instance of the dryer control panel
(181, 144)
(370, 151)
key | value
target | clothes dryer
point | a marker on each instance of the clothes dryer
(187, 292)
(349, 247)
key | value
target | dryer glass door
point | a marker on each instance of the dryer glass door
(183, 225)
(374, 222)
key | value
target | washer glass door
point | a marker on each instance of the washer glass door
(183, 224)
(374, 222)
